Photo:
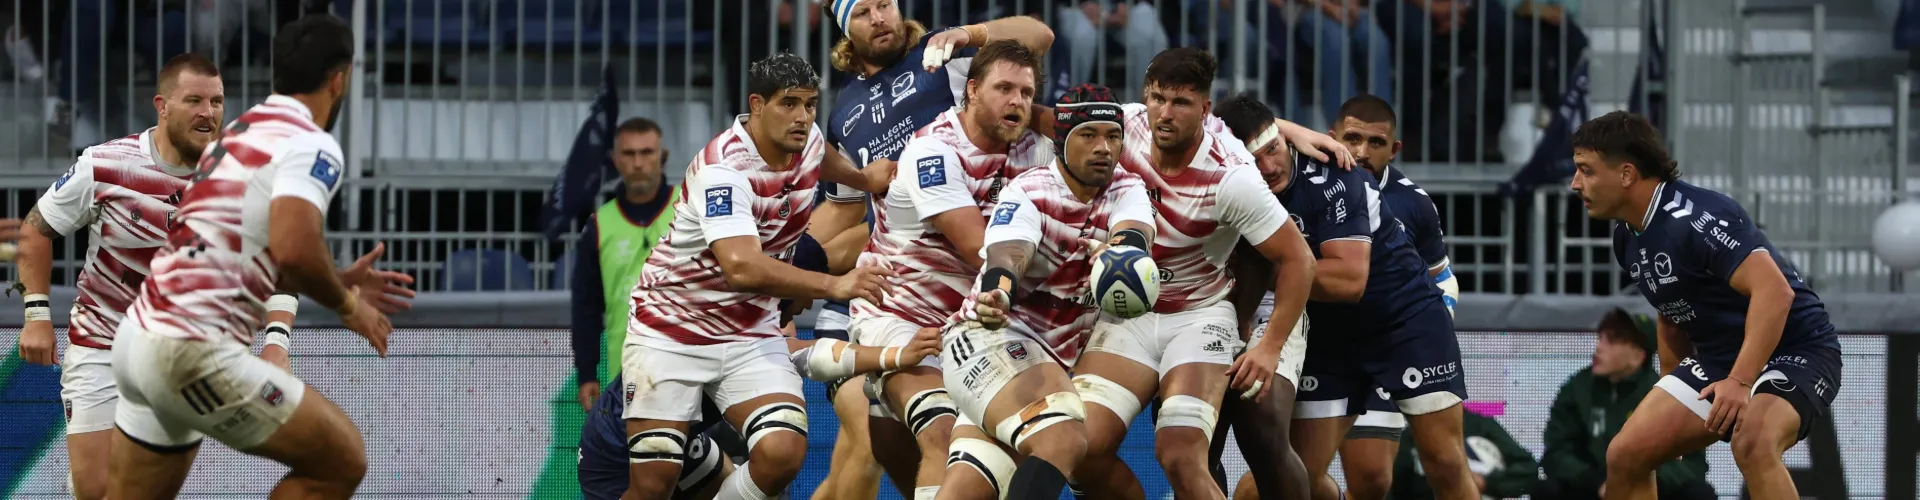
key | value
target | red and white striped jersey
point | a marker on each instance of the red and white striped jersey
(941, 170)
(1201, 212)
(212, 279)
(730, 191)
(123, 195)
(1055, 307)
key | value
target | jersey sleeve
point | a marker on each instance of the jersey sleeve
(1246, 206)
(956, 72)
(937, 182)
(1014, 219)
(723, 202)
(1725, 244)
(308, 173)
(68, 204)
(1132, 204)
(1423, 221)
(834, 191)
(1349, 214)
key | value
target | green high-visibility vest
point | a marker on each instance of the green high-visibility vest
(624, 247)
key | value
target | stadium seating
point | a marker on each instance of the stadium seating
(487, 270)
(437, 23)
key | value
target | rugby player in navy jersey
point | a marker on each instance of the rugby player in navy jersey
(1375, 317)
(904, 77)
(1749, 354)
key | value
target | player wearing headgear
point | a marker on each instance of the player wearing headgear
(705, 318)
(122, 193)
(929, 230)
(1747, 348)
(1207, 195)
(1378, 316)
(251, 220)
(905, 77)
(1008, 348)
(1368, 127)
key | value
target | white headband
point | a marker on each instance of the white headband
(1261, 141)
(843, 12)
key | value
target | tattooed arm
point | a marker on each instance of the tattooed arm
(67, 205)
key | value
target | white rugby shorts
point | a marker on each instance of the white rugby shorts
(666, 379)
(1163, 341)
(175, 391)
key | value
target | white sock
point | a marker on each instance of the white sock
(739, 486)
(926, 492)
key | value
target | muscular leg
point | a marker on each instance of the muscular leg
(919, 396)
(1317, 440)
(138, 471)
(963, 481)
(1102, 474)
(892, 443)
(1660, 429)
(1767, 427)
(88, 454)
(1442, 448)
(654, 479)
(774, 455)
(322, 448)
(1368, 463)
(853, 474)
(1058, 446)
(1265, 433)
(1185, 429)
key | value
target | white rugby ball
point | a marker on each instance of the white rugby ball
(1125, 281)
(1896, 237)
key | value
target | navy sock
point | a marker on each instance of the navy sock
(1036, 479)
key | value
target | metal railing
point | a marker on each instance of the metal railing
(462, 110)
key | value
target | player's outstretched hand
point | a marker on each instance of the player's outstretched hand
(370, 323)
(864, 282)
(1317, 145)
(989, 309)
(1252, 373)
(879, 175)
(36, 343)
(1729, 399)
(940, 48)
(384, 290)
(9, 229)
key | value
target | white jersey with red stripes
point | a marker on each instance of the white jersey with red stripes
(940, 170)
(730, 191)
(1201, 212)
(212, 280)
(1055, 305)
(123, 194)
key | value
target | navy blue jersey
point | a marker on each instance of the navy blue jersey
(1416, 212)
(1331, 204)
(874, 116)
(1684, 261)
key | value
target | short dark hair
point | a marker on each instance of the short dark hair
(191, 62)
(1183, 67)
(780, 72)
(1618, 326)
(1006, 50)
(1626, 137)
(637, 125)
(1244, 114)
(1371, 109)
(307, 53)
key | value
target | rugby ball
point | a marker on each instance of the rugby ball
(1125, 282)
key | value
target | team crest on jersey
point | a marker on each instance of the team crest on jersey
(903, 87)
(1003, 214)
(1017, 351)
(720, 201)
(326, 169)
(932, 171)
(272, 395)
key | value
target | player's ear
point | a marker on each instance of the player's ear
(160, 105)
(663, 157)
(1628, 173)
(1396, 147)
(754, 103)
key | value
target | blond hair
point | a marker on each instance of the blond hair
(845, 59)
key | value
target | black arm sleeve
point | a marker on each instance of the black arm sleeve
(589, 304)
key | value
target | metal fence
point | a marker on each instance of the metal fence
(462, 110)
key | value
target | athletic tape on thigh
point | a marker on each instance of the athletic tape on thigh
(1187, 411)
(926, 406)
(1098, 390)
(987, 458)
(657, 445)
(775, 417)
(703, 462)
(1056, 408)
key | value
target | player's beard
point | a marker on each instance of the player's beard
(1177, 143)
(997, 126)
(884, 56)
(187, 142)
(333, 116)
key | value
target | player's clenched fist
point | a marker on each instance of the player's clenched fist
(990, 309)
(864, 282)
(36, 343)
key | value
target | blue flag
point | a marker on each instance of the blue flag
(588, 164)
(1552, 159)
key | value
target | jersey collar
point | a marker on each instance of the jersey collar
(150, 150)
(1647, 220)
(289, 102)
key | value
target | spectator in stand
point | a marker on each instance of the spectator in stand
(1134, 24)
(1335, 29)
(612, 249)
(1501, 467)
(1593, 405)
